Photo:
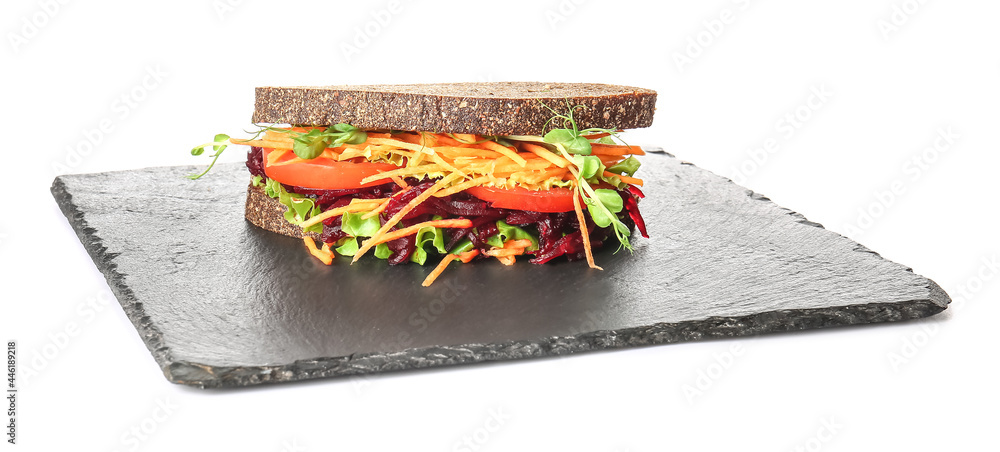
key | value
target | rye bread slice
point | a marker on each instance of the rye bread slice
(501, 108)
(267, 213)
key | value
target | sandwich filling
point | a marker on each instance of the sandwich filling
(403, 195)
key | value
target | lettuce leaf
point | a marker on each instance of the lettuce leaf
(382, 251)
(272, 187)
(297, 207)
(628, 166)
(424, 235)
(508, 232)
(611, 199)
(465, 245)
(353, 225)
(348, 247)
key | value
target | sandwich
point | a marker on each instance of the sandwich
(445, 172)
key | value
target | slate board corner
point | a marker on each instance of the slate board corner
(104, 261)
(938, 296)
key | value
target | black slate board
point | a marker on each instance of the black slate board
(220, 302)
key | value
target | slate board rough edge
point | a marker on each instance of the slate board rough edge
(104, 261)
(663, 333)
(207, 376)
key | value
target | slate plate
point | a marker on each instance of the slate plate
(220, 302)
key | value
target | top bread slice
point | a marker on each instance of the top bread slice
(501, 108)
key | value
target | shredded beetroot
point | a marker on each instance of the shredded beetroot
(631, 201)
(402, 248)
(255, 161)
(397, 203)
(326, 198)
(565, 245)
(332, 232)
(558, 233)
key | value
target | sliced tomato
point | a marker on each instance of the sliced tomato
(553, 200)
(324, 173)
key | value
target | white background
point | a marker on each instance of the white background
(894, 82)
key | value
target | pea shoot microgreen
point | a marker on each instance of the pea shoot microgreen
(311, 144)
(571, 142)
(219, 144)
(308, 145)
(602, 203)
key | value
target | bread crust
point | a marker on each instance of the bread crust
(267, 213)
(504, 108)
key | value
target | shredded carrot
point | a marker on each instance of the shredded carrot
(276, 154)
(534, 164)
(503, 252)
(447, 166)
(626, 179)
(460, 223)
(537, 177)
(406, 171)
(614, 149)
(399, 144)
(506, 260)
(376, 211)
(523, 243)
(352, 151)
(416, 159)
(480, 166)
(399, 181)
(550, 173)
(409, 137)
(502, 160)
(546, 154)
(467, 256)
(510, 248)
(583, 231)
(371, 242)
(439, 269)
(596, 136)
(493, 146)
(324, 255)
(445, 140)
(455, 151)
(356, 205)
(274, 135)
(462, 186)
(610, 160)
(466, 137)
(428, 140)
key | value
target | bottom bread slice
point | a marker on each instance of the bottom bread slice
(267, 213)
